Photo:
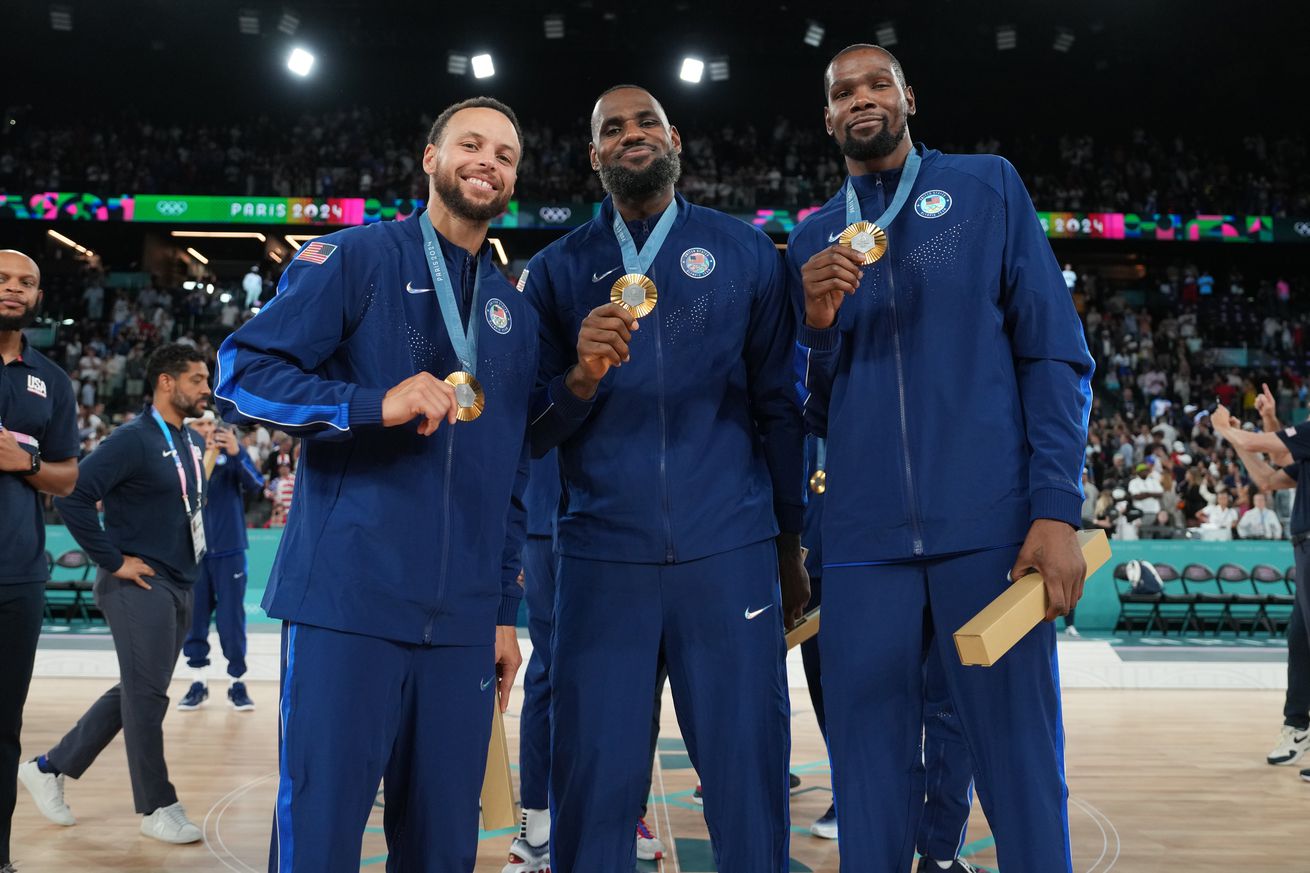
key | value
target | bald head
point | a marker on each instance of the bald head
(12, 258)
(20, 290)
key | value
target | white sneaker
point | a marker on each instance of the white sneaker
(1072, 632)
(649, 846)
(825, 826)
(1292, 744)
(169, 824)
(48, 791)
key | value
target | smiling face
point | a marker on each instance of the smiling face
(474, 165)
(869, 104)
(633, 146)
(20, 290)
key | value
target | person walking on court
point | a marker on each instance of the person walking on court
(38, 455)
(148, 474)
(220, 590)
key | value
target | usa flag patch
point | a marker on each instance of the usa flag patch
(316, 252)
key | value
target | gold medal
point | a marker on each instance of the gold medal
(866, 238)
(819, 482)
(635, 293)
(468, 395)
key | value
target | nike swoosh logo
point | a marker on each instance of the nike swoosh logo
(596, 278)
(167, 453)
(486, 683)
(409, 286)
(750, 614)
(836, 236)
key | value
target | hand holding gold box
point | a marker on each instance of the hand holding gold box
(498, 783)
(807, 627)
(1020, 608)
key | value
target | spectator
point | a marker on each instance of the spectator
(1162, 527)
(1218, 521)
(1259, 522)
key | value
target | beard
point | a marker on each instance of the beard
(190, 408)
(18, 322)
(448, 189)
(638, 185)
(880, 145)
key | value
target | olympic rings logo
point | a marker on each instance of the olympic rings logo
(171, 207)
(555, 214)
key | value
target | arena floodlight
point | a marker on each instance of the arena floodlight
(1063, 39)
(457, 64)
(886, 34)
(61, 17)
(300, 62)
(483, 68)
(1006, 37)
(553, 25)
(195, 254)
(692, 70)
(289, 23)
(248, 22)
(814, 33)
(719, 69)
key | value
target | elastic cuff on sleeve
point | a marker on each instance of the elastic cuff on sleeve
(508, 615)
(366, 407)
(819, 340)
(1058, 505)
(570, 405)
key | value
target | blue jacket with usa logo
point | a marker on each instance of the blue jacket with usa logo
(693, 447)
(955, 386)
(390, 534)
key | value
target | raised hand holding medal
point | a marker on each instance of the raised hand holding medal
(869, 238)
(470, 399)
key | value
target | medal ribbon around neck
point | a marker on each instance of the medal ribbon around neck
(871, 236)
(636, 264)
(464, 340)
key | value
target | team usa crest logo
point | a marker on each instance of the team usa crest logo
(498, 315)
(36, 385)
(933, 204)
(697, 263)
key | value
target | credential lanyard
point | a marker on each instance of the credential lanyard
(177, 462)
(464, 340)
(908, 177)
(639, 262)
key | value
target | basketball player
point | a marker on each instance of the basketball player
(680, 446)
(951, 378)
(397, 576)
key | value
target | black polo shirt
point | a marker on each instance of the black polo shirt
(37, 407)
(1297, 440)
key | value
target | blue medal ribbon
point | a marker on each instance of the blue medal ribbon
(639, 262)
(463, 340)
(908, 177)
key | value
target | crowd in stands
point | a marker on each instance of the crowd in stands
(1167, 353)
(1169, 344)
(371, 152)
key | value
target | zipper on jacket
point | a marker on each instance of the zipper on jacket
(445, 533)
(911, 501)
(664, 444)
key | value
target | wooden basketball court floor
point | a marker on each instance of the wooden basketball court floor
(1170, 777)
